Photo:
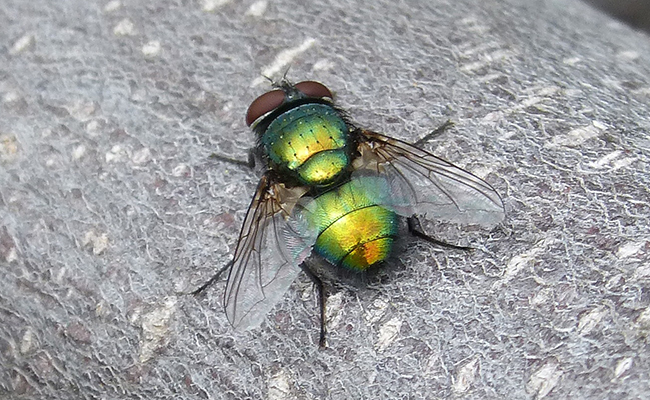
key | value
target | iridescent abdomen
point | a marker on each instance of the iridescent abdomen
(310, 140)
(354, 230)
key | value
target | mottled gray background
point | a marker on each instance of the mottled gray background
(634, 12)
(110, 206)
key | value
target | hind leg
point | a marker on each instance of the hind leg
(321, 301)
(415, 228)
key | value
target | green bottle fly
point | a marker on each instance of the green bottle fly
(338, 191)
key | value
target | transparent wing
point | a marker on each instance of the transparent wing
(264, 267)
(433, 186)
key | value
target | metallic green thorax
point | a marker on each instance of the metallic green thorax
(355, 228)
(310, 140)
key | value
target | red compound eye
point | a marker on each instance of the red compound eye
(266, 103)
(313, 89)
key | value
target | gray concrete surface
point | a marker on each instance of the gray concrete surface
(110, 207)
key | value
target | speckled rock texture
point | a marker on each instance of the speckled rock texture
(111, 207)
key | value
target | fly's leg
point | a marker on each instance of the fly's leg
(212, 280)
(321, 300)
(415, 228)
(439, 130)
(250, 163)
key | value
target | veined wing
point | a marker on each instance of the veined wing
(436, 187)
(263, 268)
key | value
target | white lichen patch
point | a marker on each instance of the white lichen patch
(590, 320)
(622, 366)
(102, 309)
(282, 60)
(8, 148)
(93, 128)
(323, 64)
(605, 160)
(572, 60)
(78, 152)
(11, 97)
(23, 43)
(333, 314)
(181, 170)
(520, 261)
(376, 311)
(211, 5)
(643, 320)
(610, 162)
(544, 379)
(98, 243)
(388, 333)
(112, 6)
(466, 376)
(81, 109)
(124, 28)
(642, 272)
(622, 163)
(483, 171)
(155, 328)
(141, 156)
(28, 341)
(257, 9)
(151, 49)
(629, 55)
(577, 136)
(279, 387)
(486, 59)
(117, 153)
(544, 296)
(629, 249)
(10, 254)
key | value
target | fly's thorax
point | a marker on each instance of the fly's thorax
(355, 227)
(310, 141)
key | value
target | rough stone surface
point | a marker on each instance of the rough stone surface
(111, 208)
